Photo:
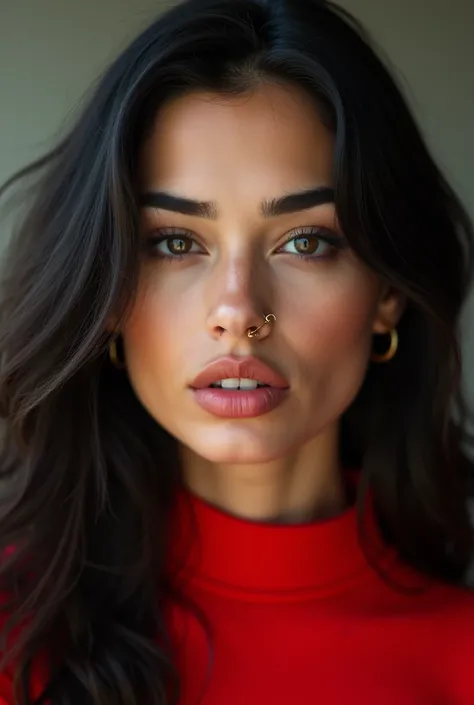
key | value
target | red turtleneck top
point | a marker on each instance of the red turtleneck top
(294, 615)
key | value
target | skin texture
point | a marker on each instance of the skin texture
(236, 152)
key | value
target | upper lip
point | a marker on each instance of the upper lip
(235, 367)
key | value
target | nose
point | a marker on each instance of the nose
(237, 306)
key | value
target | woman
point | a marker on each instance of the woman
(233, 463)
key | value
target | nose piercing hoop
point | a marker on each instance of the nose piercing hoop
(254, 331)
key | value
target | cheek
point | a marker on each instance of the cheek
(330, 335)
(153, 334)
(335, 325)
(334, 317)
(157, 343)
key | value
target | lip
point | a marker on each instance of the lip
(239, 404)
(235, 404)
(242, 368)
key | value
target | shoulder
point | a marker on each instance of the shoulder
(439, 636)
(7, 671)
(454, 610)
(437, 608)
(452, 607)
(446, 618)
(427, 629)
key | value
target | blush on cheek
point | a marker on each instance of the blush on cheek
(335, 349)
(336, 327)
(158, 340)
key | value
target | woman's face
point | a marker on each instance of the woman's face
(209, 275)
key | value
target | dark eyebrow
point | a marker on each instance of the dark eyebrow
(292, 203)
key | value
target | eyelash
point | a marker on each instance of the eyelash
(336, 242)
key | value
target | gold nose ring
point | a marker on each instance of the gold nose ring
(254, 331)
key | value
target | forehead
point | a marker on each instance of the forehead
(204, 143)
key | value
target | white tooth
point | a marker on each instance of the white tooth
(231, 383)
(248, 384)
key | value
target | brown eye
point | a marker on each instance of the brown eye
(306, 244)
(314, 244)
(178, 245)
(172, 246)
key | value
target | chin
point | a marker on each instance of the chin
(236, 448)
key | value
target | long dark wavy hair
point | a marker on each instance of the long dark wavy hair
(87, 476)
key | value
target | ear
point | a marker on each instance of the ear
(390, 308)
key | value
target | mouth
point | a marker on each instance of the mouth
(246, 385)
(244, 374)
(239, 388)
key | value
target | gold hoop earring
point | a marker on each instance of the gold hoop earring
(114, 357)
(392, 350)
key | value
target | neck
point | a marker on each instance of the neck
(304, 486)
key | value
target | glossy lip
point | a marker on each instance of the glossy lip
(235, 404)
(239, 367)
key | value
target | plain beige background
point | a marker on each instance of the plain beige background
(51, 51)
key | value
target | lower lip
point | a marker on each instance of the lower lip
(238, 404)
